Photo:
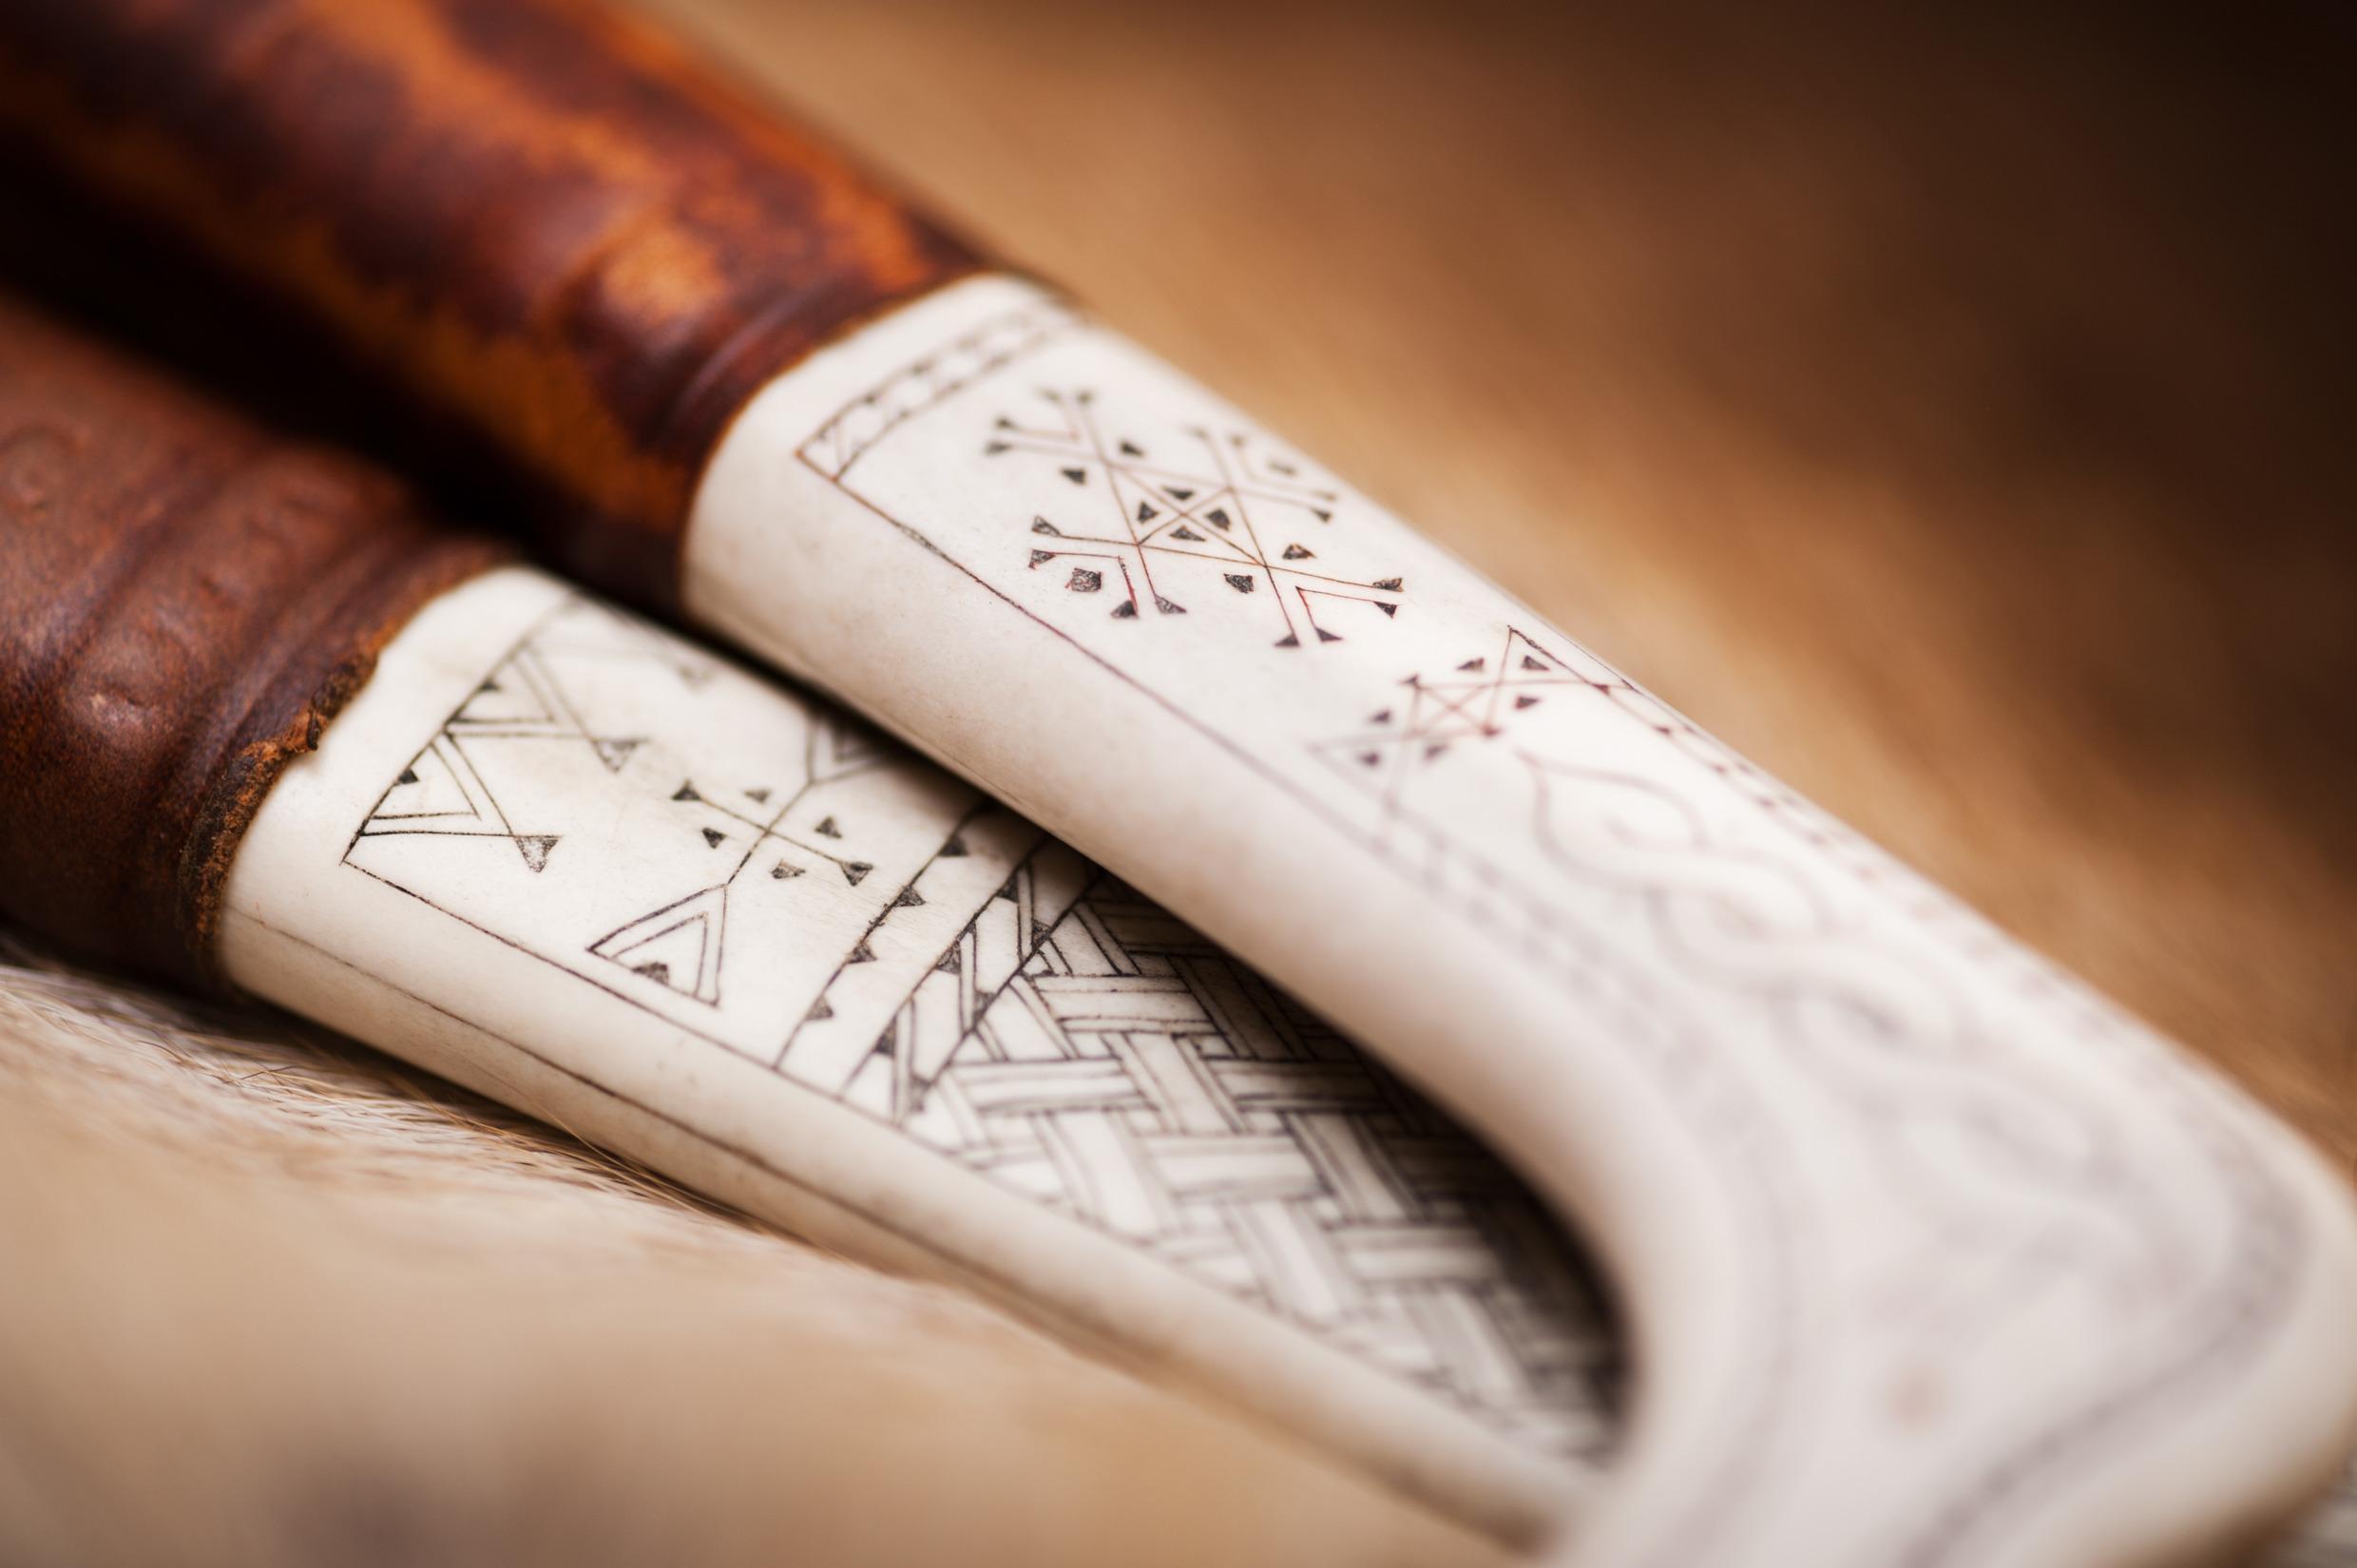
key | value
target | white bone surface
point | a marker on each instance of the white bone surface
(1933, 1257)
(593, 870)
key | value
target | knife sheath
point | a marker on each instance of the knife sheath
(1930, 1256)
(269, 728)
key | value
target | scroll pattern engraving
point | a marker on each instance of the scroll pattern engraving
(761, 871)
(2018, 1168)
(1855, 1002)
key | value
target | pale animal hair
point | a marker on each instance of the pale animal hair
(269, 1297)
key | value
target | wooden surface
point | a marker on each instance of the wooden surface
(1952, 415)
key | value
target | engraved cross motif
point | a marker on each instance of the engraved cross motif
(1204, 507)
(1468, 703)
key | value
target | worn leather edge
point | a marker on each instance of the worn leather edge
(185, 603)
(286, 728)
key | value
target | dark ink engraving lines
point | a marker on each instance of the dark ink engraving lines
(1000, 1002)
(1413, 799)
(1210, 504)
(1079, 1045)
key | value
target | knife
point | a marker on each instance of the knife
(1931, 1255)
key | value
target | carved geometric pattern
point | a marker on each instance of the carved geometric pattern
(1470, 702)
(762, 872)
(1111, 1063)
(1224, 512)
(443, 791)
(834, 447)
(453, 787)
(1711, 900)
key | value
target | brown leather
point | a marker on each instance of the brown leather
(547, 221)
(184, 603)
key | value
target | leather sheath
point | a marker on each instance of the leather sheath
(558, 232)
(185, 604)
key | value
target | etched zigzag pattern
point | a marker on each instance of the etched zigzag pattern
(1086, 1048)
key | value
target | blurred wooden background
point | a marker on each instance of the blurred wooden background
(1952, 411)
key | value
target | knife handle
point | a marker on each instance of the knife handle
(184, 603)
(549, 224)
(474, 870)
